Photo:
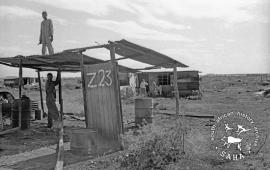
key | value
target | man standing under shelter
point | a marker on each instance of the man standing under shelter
(46, 34)
(53, 113)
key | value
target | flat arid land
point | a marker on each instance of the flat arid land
(158, 145)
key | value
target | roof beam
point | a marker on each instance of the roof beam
(85, 48)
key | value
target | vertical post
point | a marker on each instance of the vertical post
(60, 97)
(20, 93)
(176, 90)
(117, 85)
(84, 91)
(177, 107)
(40, 92)
(60, 146)
(1, 121)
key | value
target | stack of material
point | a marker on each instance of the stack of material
(34, 107)
(187, 81)
(143, 111)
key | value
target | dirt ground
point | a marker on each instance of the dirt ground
(221, 94)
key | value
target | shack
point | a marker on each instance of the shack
(187, 82)
(101, 89)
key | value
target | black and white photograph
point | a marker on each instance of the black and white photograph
(134, 84)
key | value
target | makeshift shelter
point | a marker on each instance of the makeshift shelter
(105, 117)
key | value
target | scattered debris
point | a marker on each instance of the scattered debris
(264, 93)
(169, 113)
(77, 117)
(264, 83)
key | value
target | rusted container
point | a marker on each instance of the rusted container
(143, 110)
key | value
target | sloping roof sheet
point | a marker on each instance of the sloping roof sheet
(145, 55)
(69, 61)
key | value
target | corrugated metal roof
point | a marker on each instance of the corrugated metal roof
(145, 55)
(69, 61)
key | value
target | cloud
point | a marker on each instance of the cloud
(131, 29)
(225, 10)
(146, 17)
(94, 7)
(59, 20)
(15, 11)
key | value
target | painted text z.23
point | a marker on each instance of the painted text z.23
(105, 78)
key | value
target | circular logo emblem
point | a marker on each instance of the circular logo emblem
(234, 135)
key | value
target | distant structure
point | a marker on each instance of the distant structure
(188, 81)
(14, 82)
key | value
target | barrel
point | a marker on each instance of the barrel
(83, 141)
(38, 114)
(26, 113)
(143, 110)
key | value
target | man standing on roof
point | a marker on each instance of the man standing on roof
(53, 113)
(46, 34)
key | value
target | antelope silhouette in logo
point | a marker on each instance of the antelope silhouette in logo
(241, 129)
(228, 140)
(227, 127)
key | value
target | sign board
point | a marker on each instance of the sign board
(103, 107)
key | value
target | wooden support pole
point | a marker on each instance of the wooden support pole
(112, 52)
(84, 92)
(40, 92)
(20, 93)
(176, 93)
(60, 145)
(117, 86)
(1, 118)
(60, 97)
(177, 107)
(85, 48)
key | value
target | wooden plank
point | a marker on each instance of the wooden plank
(10, 65)
(103, 112)
(10, 130)
(83, 90)
(85, 48)
(40, 92)
(116, 85)
(1, 118)
(170, 113)
(60, 145)
(60, 96)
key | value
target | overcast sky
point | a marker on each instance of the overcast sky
(213, 36)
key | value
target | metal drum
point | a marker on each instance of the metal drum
(143, 110)
(26, 113)
(83, 141)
